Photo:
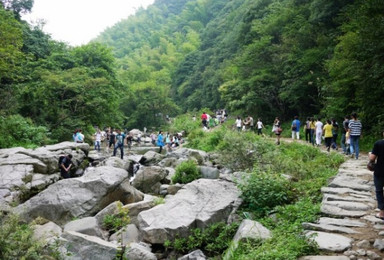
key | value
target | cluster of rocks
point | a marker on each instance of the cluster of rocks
(349, 228)
(71, 212)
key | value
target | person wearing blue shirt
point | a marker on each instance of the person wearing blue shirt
(119, 143)
(160, 141)
(295, 128)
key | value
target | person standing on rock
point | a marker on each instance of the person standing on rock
(119, 143)
(160, 141)
(65, 166)
(97, 137)
(377, 155)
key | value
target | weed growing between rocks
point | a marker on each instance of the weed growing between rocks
(114, 223)
(213, 240)
(186, 172)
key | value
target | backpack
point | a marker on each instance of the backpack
(61, 160)
(294, 127)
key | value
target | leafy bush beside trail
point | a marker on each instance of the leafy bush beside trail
(186, 172)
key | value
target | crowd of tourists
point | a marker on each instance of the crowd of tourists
(315, 132)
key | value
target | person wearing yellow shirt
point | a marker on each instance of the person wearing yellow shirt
(327, 132)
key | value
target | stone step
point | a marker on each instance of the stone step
(329, 228)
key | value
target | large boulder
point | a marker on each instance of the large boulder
(86, 226)
(20, 159)
(200, 157)
(196, 205)
(86, 247)
(149, 179)
(77, 197)
(151, 158)
(139, 251)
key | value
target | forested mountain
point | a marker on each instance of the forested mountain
(265, 58)
(262, 57)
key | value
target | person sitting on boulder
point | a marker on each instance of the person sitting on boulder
(65, 163)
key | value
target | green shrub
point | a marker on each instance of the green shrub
(213, 240)
(19, 131)
(117, 221)
(17, 242)
(261, 192)
(186, 172)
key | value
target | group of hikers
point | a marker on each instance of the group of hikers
(316, 131)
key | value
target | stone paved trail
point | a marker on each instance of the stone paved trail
(348, 228)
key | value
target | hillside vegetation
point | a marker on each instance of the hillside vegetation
(260, 57)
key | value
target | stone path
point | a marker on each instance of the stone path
(348, 228)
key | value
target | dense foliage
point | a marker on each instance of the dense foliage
(264, 57)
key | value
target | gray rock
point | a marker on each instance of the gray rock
(88, 247)
(379, 244)
(330, 242)
(332, 210)
(342, 222)
(323, 257)
(127, 235)
(352, 183)
(46, 231)
(111, 209)
(351, 198)
(363, 244)
(195, 255)
(134, 209)
(337, 190)
(347, 205)
(116, 162)
(19, 159)
(372, 255)
(149, 179)
(250, 229)
(14, 176)
(209, 172)
(329, 228)
(151, 158)
(77, 197)
(86, 226)
(41, 181)
(200, 157)
(196, 205)
(137, 251)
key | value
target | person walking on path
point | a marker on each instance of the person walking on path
(327, 131)
(307, 129)
(119, 143)
(160, 141)
(277, 130)
(312, 125)
(319, 131)
(239, 123)
(295, 128)
(65, 166)
(355, 128)
(260, 127)
(377, 156)
(344, 131)
(335, 133)
(204, 119)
